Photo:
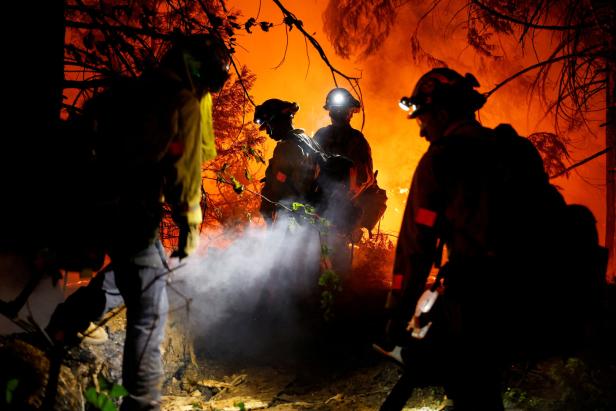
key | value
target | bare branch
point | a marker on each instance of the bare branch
(586, 160)
(286, 47)
(294, 21)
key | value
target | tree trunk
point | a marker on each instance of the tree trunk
(32, 89)
(610, 178)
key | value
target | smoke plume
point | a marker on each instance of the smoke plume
(256, 294)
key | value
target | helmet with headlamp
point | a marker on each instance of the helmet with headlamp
(273, 109)
(444, 88)
(341, 99)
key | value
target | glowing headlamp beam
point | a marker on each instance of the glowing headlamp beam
(338, 98)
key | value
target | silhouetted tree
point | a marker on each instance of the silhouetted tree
(347, 20)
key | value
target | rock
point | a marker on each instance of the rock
(29, 366)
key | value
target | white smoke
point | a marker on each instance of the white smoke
(253, 291)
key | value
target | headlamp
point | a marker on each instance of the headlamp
(405, 104)
(338, 99)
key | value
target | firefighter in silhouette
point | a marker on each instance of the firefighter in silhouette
(151, 136)
(472, 191)
(292, 174)
(367, 199)
(292, 171)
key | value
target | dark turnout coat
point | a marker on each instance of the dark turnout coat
(350, 143)
(291, 173)
(482, 193)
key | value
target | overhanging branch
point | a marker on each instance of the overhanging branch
(529, 24)
(109, 27)
(294, 21)
(579, 163)
(536, 66)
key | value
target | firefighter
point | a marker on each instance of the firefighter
(342, 139)
(152, 135)
(292, 171)
(463, 196)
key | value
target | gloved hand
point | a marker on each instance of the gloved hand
(187, 241)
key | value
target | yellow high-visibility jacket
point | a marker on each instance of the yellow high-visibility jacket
(150, 145)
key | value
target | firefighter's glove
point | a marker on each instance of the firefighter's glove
(187, 241)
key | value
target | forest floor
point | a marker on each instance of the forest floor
(338, 370)
(332, 368)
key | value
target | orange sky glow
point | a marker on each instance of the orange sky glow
(389, 74)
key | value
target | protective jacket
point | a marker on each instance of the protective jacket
(148, 149)
(480, 193)
(348, 142)
(291, 173)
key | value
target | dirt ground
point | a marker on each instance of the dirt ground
(554, 384)
(331, 367)
(340, 371)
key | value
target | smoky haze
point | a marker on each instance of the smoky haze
(254, 295)
(390, 72)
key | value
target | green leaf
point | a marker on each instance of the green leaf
(103, 383)
(240, 405)
(11, 386)
(118, 391)
(100, 400)
(237, 186)
(91, 395)
(107, 404)
(296, 206)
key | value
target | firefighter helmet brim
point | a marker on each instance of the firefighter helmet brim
(341, 99)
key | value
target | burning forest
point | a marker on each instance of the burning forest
(320, 205)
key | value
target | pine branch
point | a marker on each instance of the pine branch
(529, 24)
(540, 64)
(135, 31)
